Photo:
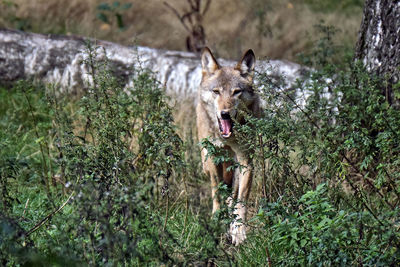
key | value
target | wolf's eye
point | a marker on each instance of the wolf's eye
(237, 91)
(215, 91)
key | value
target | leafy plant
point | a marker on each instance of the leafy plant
(312, 231)
(111, 158)
(10, 8)
(341, 136)
(108, 13)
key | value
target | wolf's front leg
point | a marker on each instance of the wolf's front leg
(211, 170)
(238, 228)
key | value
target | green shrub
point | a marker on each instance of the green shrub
(312, 231)
(343, 137)
(93, 179)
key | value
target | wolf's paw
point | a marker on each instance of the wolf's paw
(238, 233)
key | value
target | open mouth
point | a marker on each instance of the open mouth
(225, 126)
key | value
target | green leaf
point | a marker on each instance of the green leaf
(102, 17)
(104, 6)
(39, 140)
(126, 6)
(116, 4)
(120, 22)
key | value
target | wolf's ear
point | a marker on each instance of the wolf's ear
(247, 63)
(208, 62)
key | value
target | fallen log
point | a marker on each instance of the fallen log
(60, 59)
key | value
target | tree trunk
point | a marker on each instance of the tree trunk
(59, 59)
(378, 44)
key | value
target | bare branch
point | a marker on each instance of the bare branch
(192, 4)
(48, 217)
(206, 7)
(177, 15)
(188, 16)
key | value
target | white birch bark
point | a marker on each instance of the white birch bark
(378, 45)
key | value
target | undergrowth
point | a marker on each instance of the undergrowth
(327, 168)
(95, 180)
(105, 179)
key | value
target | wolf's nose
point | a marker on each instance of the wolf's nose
(225, 115)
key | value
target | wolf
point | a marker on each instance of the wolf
(225, 94)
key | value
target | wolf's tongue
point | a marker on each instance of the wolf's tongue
(226, 126)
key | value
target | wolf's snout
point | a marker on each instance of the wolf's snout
(225, 115)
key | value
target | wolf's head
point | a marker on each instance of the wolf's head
(226, 90)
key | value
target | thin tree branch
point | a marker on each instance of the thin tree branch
(48, 217)
(206, 7)
(177, 15)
